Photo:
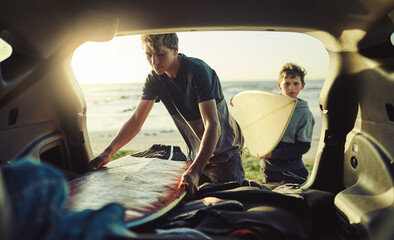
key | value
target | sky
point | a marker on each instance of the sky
(234, 55)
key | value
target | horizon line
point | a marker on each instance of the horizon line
(139, 82)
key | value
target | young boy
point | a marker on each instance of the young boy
(192, 94)
(284, 163)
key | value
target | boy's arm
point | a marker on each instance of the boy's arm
(291, 150)
(209, 140)
(128, 131)
(303, 139)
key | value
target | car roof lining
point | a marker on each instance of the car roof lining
(336, 23)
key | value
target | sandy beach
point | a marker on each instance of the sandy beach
(110, 105)
(100, 140)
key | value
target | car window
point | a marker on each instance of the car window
(5, 50)
(111, 75)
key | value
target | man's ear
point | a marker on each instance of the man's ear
(175, 49)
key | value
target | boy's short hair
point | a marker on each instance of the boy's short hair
(292, 70)
(158, 41)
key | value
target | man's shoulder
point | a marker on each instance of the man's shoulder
(193, 62)
(151, 80)
(152, 76)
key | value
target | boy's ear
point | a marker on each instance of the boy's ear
(279, 85)
(303, 85)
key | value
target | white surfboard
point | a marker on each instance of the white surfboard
(5, 50)
(263, 118)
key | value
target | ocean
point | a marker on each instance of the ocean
(110, 105)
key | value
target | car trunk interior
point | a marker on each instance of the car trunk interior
(43, 110)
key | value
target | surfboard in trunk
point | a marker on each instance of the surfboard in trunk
(146, 187)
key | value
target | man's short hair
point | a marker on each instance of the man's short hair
(292, 70)
(158, 41)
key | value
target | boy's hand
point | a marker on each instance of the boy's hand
(99, 161)
(230, 102)
(267, 156)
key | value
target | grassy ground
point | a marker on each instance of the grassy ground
(252, 167)
(251, 164)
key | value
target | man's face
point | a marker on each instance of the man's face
(291, 87)
(160, 61)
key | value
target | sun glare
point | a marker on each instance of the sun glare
(234, 56)
(119, 60)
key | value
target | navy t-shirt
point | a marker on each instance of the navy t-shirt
(194, 83)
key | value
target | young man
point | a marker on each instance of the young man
(284, 163)
(192, 94)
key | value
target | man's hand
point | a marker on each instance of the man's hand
(190, 180)
(99, 161)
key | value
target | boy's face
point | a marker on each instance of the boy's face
(291, 87)
(161, 61)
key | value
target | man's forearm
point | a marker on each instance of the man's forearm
(208, 144)
(124, 136)
(130, 128)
